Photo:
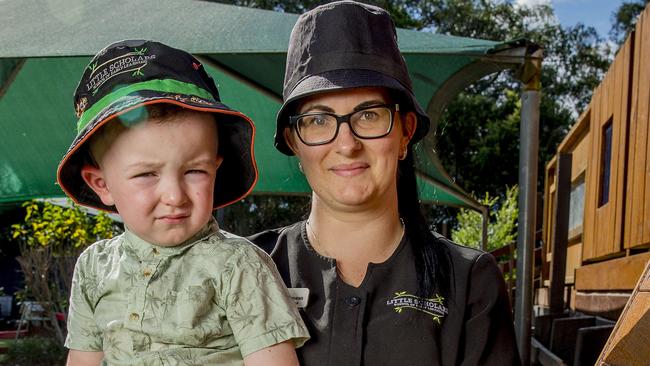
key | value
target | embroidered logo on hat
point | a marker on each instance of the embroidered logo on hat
(131, 62)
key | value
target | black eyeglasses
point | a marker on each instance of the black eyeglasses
(320, 128)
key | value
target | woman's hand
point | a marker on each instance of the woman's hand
(281, 354)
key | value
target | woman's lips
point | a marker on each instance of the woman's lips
(348, 170)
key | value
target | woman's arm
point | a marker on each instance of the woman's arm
(83, 358)
(489, 330)
(281, 354)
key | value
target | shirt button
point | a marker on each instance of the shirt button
(353, 301)
(146, 272)
(155, 251)
(134, 316)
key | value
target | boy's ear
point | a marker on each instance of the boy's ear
(94, 178)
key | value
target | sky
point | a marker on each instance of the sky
(595, 13)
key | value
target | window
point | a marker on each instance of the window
(605, 163)
(577, 204)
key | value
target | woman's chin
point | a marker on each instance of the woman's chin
(355, 199)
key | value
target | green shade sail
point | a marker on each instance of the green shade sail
(46, 44)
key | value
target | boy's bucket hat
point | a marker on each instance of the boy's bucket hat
(134, 73)
(343, 45)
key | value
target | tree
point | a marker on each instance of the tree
(478, 134)
(480, 128)
(502, 228)
(624, 19)
(51, 238)
(480, 125)
(257, 213)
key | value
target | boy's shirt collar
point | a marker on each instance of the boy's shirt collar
(145, 250)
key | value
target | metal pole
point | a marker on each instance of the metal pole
(529, 136)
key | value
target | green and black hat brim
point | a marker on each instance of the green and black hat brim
(236, 176)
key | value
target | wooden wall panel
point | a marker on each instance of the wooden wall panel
(616, 274)
(580, 151)
(547, 224)
(590, 183)
(637, 210)
(604, 225)
(580, 154)
(577, 143)
(573, 260)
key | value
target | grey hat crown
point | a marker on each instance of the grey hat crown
(343, 35)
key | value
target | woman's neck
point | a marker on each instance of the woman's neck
(355, 238)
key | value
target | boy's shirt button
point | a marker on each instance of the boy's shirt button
(155, 251)
(134, 316)
(146, 272)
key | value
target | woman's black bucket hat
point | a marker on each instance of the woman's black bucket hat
(344, 45)
(133, 73)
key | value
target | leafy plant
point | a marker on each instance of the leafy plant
(501, 228)
(35, 351)
(625, 18)
(51, 238)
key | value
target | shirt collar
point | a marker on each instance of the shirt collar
(145, 250)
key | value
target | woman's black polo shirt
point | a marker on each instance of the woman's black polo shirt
(382, 322)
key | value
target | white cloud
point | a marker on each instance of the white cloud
(571, 1)
(531, 3)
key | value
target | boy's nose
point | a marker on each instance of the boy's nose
(172, 193)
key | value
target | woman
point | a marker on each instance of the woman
(374, 285)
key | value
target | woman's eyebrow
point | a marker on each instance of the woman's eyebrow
(325, 108)
(319, 107)
(369, 103)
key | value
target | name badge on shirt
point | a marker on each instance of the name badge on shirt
(300, 296)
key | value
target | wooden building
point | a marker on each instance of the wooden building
(605, 155)
(596, 228)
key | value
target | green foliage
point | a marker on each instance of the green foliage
(257, 213)
(61, 228)
(478, 135)
(35, 351)
(51, 238)
(478, 141)
(501, 228)
(625, 19)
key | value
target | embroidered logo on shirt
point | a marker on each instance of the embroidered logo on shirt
(434, 306)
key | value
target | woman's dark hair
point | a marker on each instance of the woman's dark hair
(432, 261)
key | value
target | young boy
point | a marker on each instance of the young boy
(173, 289)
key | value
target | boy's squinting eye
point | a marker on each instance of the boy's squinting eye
(145, 175)
(196, 171)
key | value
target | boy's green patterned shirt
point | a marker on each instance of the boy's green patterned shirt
(211, 300)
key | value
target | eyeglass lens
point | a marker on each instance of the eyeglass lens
(318, 128)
